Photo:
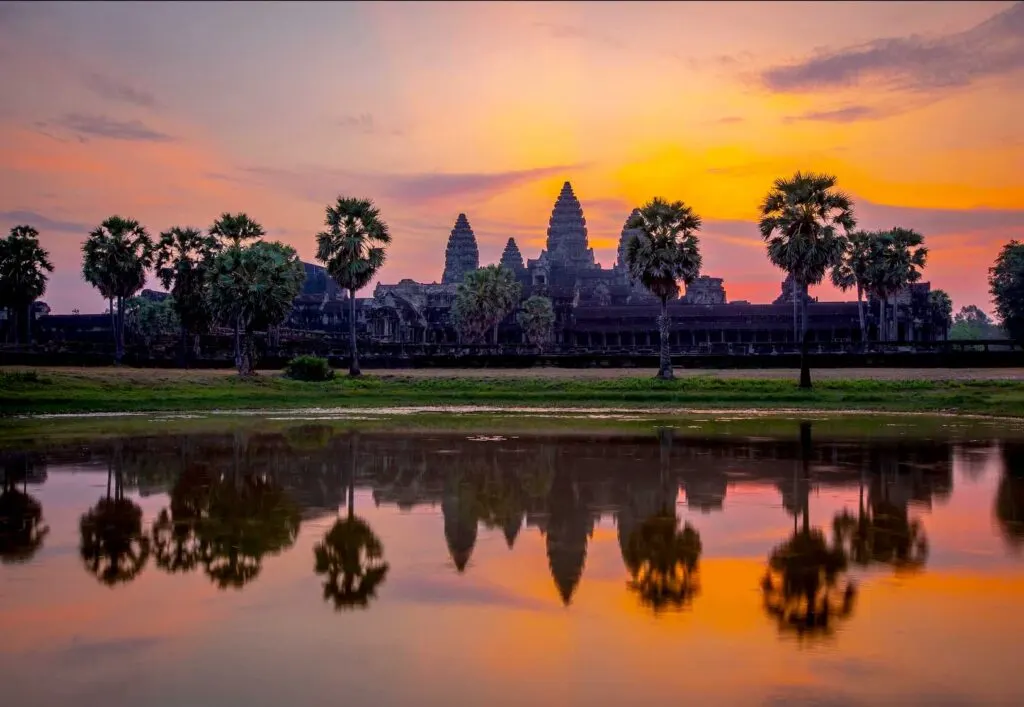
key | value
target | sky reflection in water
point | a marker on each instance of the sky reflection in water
(316, 566)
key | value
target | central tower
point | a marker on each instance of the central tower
(567, 232)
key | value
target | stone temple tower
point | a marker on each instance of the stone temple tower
(512, 259)
(567, 232)
(462, 255)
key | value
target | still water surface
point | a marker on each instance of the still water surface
(315, 566)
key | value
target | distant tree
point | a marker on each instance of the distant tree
(663, 250)
(854, 271)
(233, 231)
(353, 248)
(899, 255)
(971, 323)
(183, 259)
(483, 300)
(23, 274)
(940, 312)
(537, 318)
(1006, 284)
(254, 287)
(804, 220)
(116, 256)
(148, 320)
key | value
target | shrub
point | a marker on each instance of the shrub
(309, 368)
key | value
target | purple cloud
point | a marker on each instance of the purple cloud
(85, 126)
(847, 114)
(110, 89)
(42, 223)
(993, 48)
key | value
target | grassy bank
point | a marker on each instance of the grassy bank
(129, 390)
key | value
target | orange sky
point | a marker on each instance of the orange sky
(174, 112)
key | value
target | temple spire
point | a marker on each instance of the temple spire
(511, 258)
(567, 232)
(462, 255)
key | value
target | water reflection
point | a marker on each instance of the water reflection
(22, 529)
(114, 547)
(350, 554)
(232, 500)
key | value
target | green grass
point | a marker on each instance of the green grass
(108, 391)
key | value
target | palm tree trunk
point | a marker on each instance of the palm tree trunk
(28, 324)
(805, 472)
(353, 453)
(15, 324)
(353, 368)
(880, 336)
(665, 359)
(805, 367)
(113, 326)
(796, 327)
(119, 334)
(238, 343)
(860, 313)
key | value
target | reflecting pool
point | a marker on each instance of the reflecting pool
(659, 564)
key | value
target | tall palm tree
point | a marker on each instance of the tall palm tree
(353, 248)
(801, 220)
(115, 258)
(23, 268)
(183, 258)
(254, 287)
(663, 250)
(231, 231)
(900, 255)
(350, 554)
(940, 312)
(854, 270)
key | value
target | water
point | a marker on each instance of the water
(650, 566)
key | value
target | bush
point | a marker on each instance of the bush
(309, 368)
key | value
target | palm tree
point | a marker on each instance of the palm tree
(183, 258)
(537, 319)
(482, 301)
(254, 288)
(900, 255)
(116, 256)
(350, 554)
(853, 271)
(800, 218)
(231, 231)
(663, 561)
(353, 248)
(23, 268)
(663, 250)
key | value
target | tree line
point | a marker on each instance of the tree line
(231, 276)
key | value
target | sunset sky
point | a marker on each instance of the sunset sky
(173, 113)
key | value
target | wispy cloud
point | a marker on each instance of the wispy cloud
(362, 123)
(113, 90)
(40, 222)
(846, 114)
(86, 126)
(319, 184)
(993, 48)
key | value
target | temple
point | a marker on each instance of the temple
(601, 308)
(597, 308)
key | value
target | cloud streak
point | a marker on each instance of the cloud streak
(993, 48)
(42, 223)
(85, 126)
(846, 114)
(112, 90)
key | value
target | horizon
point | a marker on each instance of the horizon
(175, 113)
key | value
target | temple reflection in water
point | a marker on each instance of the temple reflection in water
(235, 499)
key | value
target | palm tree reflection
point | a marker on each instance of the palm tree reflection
(1009, 506)
(663, 562)
(21, 516)
(806, 588)
(350, 556)
(113, 546)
